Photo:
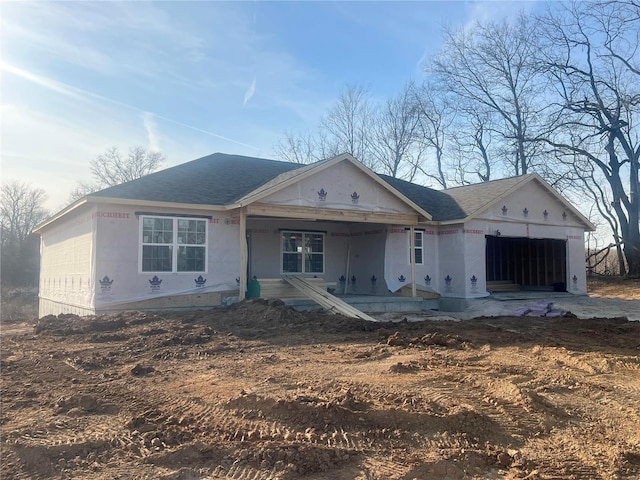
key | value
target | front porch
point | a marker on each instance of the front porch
(372, 303)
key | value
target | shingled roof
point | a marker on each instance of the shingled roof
(441, 206)
(222, 179)
(217, 179)
(473, 199)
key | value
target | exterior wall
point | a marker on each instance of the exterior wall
(526, 207)
(576, 279)
(475, 265)
(265, 248)
(366, 260)
(67, 265)
(351, 250)
(455, 256)
(53, 307)
(452, 281)
(397, 264)
(522, 214)
(119, 279)
(576, 270)
(339, 183)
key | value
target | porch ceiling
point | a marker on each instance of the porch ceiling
(329, 214)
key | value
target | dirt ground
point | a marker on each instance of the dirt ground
(259, 391)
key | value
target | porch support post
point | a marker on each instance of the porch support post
(243, 254)
(412, 256)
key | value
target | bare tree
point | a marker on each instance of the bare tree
(111, 168)
(435, 114)
(592, 54)
(492, 65)
(297, 148)
(346, 126)
(21, 209)
(473, 144)
(395, 136)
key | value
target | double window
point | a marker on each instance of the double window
(173, 244)
(302, 252)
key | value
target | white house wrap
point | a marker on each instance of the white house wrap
(192, 235)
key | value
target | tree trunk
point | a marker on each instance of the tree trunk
(632, 253)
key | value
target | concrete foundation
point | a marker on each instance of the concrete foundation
(372, 304)
(452, 304)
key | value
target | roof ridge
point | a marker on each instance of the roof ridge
(516, 179)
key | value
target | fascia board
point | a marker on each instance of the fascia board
(77, 204)
(154, 203)
(127, 201)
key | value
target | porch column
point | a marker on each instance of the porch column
(243, 254)
(412, 256)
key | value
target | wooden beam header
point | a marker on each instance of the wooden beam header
(314, 213)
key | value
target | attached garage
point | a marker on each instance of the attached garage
(533, 263)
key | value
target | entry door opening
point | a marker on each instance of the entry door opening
(529, 262)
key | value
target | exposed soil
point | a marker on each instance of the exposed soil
(259, 391)
(604, 286)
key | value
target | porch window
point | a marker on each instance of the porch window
(302, 252)
(173, 244)
(418, 247)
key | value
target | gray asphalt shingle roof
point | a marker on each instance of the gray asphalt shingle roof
(222, 179)
(438, 203)
(217, 179)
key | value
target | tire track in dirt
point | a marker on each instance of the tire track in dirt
(507, 404)
(282, 396)
(239, 429)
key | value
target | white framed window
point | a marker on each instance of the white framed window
(173, 244)
(418, 246)
(302, 252)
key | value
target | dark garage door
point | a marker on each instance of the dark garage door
(530, 262)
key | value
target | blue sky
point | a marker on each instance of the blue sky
(194, 78)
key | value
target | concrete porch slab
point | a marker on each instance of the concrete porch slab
(371, 304)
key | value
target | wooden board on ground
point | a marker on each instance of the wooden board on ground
(324, 298)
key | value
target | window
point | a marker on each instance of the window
(173, 244)
(418, 247)
(302, 252)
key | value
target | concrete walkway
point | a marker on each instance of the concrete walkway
(504, 304)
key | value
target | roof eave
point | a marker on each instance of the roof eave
(75, 205)
(89, 199)
(157, 203)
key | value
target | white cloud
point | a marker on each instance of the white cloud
(43, 81)
(156, 49)
(151, 128)
(48, 151)
(84, 95)
(248, 95)
(491, 10)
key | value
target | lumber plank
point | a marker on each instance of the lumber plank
(324, 298)
(279, 288)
